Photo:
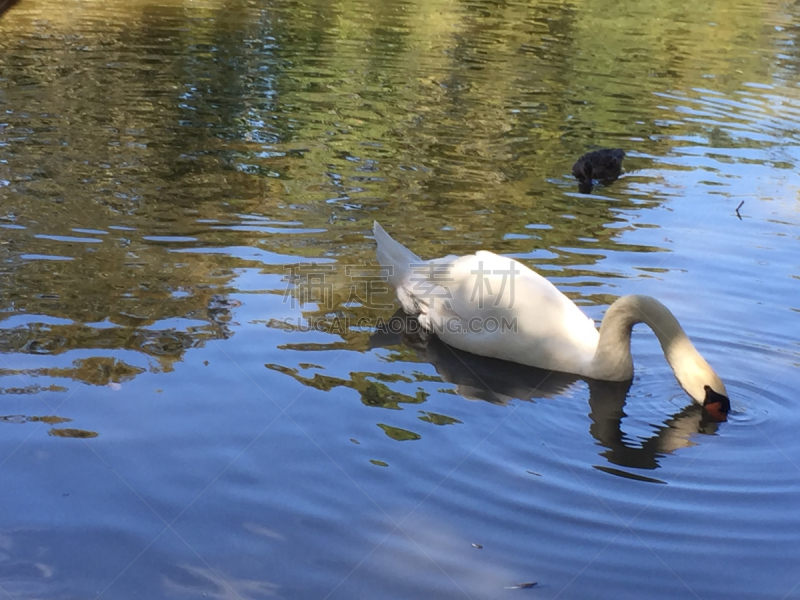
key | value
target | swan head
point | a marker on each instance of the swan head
(706, 388)
(695, 375)
(717, 405)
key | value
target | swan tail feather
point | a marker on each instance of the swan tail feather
(394, 256)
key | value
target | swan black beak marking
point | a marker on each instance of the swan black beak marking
(716, 404)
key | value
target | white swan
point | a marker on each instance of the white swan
(495, 306)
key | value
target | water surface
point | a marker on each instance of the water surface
(193, 400)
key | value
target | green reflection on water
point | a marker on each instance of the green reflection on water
(398, 434)
(287, 128)
(373, 393)
(437, 419)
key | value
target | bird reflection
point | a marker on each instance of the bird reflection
(499, 382)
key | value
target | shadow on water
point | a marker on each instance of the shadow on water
(500, 382)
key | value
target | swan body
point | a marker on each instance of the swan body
(495, 306)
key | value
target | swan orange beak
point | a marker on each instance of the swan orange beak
(716, 405)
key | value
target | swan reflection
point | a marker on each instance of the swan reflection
(499, 382)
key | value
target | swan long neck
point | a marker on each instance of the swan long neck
(613, 360)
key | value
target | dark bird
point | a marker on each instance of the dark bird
(601, 165)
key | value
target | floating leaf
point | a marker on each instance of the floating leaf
(50, 419)
(73, 433)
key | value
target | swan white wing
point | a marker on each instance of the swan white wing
(496, 306)
(421, 285)
(491, 305)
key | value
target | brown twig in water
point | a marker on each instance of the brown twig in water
(521, 586)
(741, 204)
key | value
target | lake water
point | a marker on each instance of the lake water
(193, 402)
